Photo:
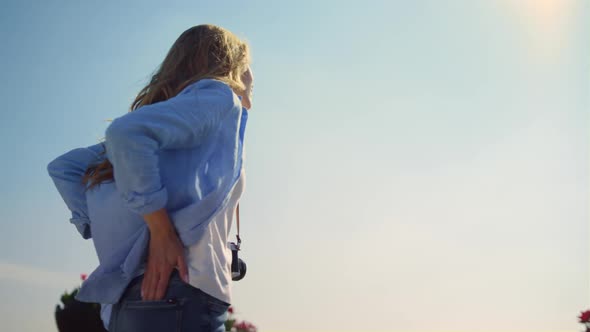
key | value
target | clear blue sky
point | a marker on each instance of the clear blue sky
(412, 165)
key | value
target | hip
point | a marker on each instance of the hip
(183, 308)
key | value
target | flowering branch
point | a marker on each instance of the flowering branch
(233, 325)
(585, 319)
(74, 316)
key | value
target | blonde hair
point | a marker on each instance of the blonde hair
(203, 51)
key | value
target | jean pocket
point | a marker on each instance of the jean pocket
(216, 306)
(148, 316)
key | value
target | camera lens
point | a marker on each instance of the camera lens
(241, 272)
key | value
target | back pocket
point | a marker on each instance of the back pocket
(216, 306)
(150, 316)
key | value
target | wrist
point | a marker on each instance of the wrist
(158, 222)
(160, 227)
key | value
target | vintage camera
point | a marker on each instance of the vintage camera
(238, 266)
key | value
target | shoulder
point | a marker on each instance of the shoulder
(209, 94)
(204, 95)
(97, 150)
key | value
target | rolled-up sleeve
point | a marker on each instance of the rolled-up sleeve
(134, 139)
(67, 171)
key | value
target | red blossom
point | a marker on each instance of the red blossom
(83, 276)
(585, 316)
(245, 327)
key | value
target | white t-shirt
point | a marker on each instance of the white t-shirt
(209, 259)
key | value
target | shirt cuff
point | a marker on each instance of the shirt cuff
(143, 204)
(83, 226)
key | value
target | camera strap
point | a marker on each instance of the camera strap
(238, 220)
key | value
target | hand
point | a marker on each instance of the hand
(165, 253)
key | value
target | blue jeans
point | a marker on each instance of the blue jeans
(184, 308)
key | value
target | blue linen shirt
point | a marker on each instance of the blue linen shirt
(183, 154)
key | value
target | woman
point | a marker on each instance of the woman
(158, 196)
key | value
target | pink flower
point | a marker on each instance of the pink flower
(585, 316)
(83, 276)
(245, 327)
(230, 310)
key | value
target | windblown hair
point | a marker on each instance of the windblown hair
(203, 51)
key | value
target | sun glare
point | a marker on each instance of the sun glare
(546, 22)
(547, 10)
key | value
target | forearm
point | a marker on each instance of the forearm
(67, 171)
(159, 223)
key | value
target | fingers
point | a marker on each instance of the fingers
(161, 285)
(144, 286)
(150, 284)
(147, 290)
(182, 268)
(154, 285)
(165, 253)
